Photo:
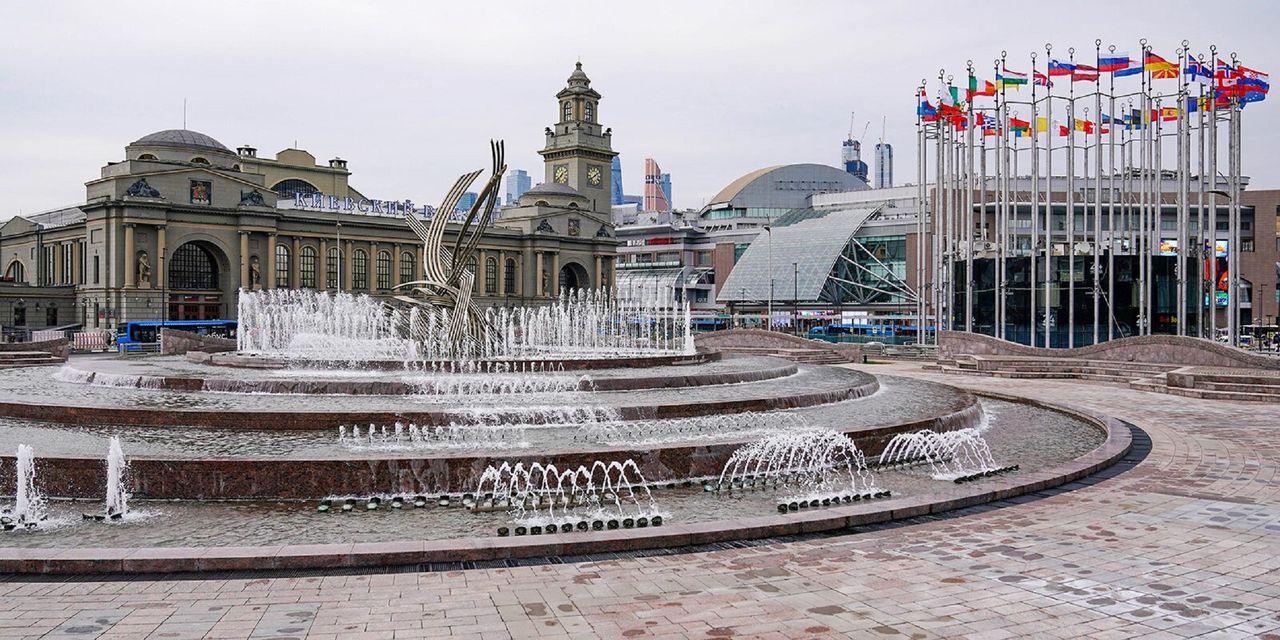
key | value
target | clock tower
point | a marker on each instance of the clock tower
(579, 152)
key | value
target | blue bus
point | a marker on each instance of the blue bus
(132, 336)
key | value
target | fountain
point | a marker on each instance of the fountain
(542, 493)
(813, 466)
(117, 501)
(959, 455)
(29, 506)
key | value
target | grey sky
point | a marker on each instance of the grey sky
(410, 92)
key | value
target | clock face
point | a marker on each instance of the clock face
(594, 176)
(562, 174)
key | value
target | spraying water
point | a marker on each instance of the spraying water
(29, 507)
(537, 491)
(949, 454)
(809, 463)
(117, 502)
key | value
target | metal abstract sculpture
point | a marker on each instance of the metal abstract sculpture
(447, 284)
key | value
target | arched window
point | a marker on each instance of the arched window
(287, 188)
(384, 269)
(509, 275)
(307, 268)
(591, 111)
(15, 272)
(471, 265)
(406, 267)
(193, 268)
(331, 269)
(146, 156)
(199, 160)
(282, 266)
(567, 110)
(490, 276)
(359, 270)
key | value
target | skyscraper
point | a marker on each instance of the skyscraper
(616, 196)
(467, 201)
(518, 182)
(884, 165)
(666, 190)
(655, 197)
(851, 157)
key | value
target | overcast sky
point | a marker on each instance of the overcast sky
(410, 92)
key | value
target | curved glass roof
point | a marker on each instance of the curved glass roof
(813, 245)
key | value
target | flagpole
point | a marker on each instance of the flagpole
(1184, 160)
(1157, 218)
(1111, 204)
(1198, 256)
(920, 215)
(1071, 205)
(968, 212)
(1048, 209)
(1144, 116)
(1097, 189)
(939, 196)
(1035, 204)
(1002, 209)
(1212, 224)
(1233, 214)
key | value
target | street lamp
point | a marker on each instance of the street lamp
(768, 323)
(795, 298)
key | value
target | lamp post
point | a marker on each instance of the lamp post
(768, 323)
(795, 298)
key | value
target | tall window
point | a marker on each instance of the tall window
(66, 263)
(97, 269)
(406, 267)
(490, 276)
(567, 110)
(84, 269)
(331, 269)
(193, 269)
(360, 270)
(16, 273)
(282, 266)
(509, 275)
(384, 269)
(471, 266)
(307, 268)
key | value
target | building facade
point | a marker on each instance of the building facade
(182, 223)
(518, 182)
(884, 165)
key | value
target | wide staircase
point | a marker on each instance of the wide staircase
(806, 355)
(1220, 383)
(17, 359)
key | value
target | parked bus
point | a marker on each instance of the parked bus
(141, 334)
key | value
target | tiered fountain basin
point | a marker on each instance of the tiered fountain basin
(222, 473)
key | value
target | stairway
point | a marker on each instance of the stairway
(17, 359)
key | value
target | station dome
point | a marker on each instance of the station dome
(184, 138)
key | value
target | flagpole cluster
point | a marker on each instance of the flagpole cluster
(1125, 239)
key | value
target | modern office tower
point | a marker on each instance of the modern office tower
(655, 198)
(884, 165)
(467, 201)
(851, 158)
(666, 190)
(616, 197)
(518, 182)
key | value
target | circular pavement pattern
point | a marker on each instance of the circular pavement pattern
(1182, 545)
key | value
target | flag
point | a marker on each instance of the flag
(988, 88)
(1160, 68)
(1060, 68)
(1164, 114)
(1043, 80)
(1132, 69)
(1195, 104)
(926, 111)
(1113, 62)
(1197, 71)
(1084, 73)
(1085, 126)
(1021, 128)
(1007, 78)
(1250, 80)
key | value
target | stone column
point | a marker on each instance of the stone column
(418, 271)
(554, 276)
(537, 275)
(346, 272)
(396, 280)
(162, 258)
(269, 278)
(599, 271)
(482, 266)
(295, 264)
(372, 272)
(244, 260)
(502, 273)
(130, 262)
(322, 266)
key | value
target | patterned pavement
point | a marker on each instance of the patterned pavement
(1187, 544)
